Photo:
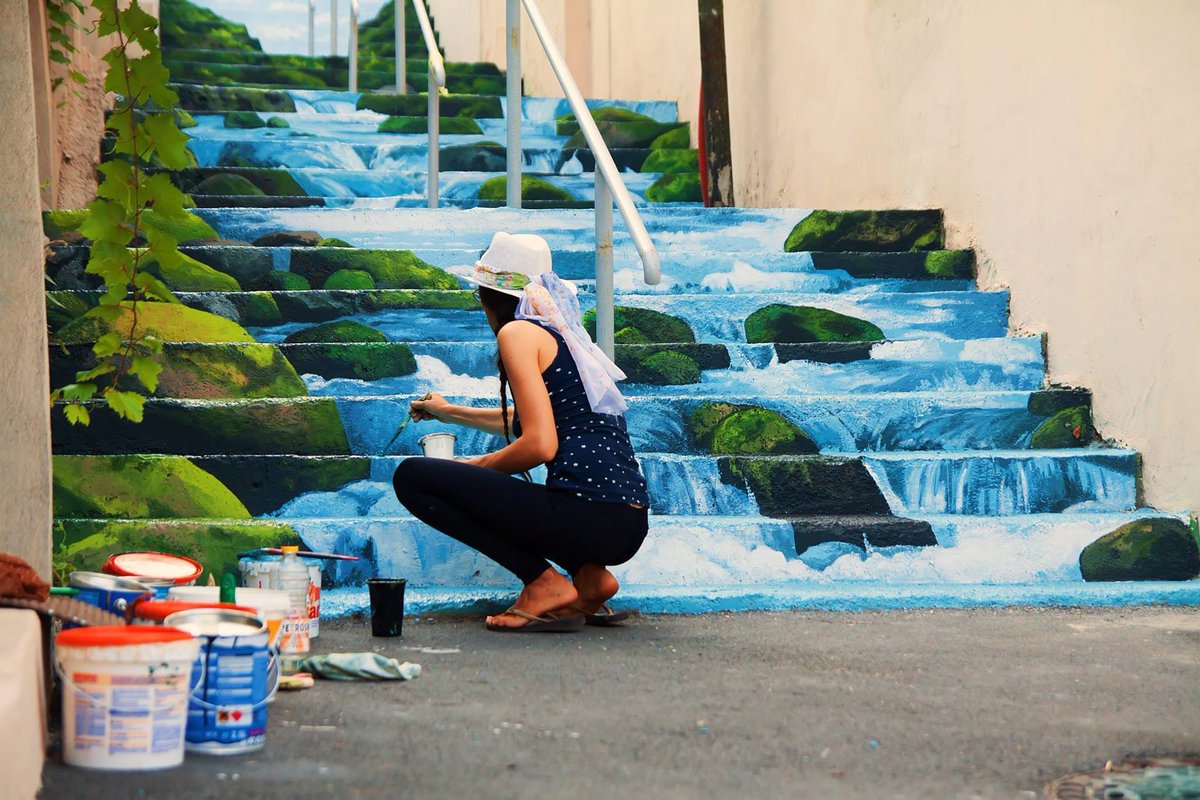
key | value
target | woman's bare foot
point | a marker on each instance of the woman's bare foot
(550, 591)
(596, 586)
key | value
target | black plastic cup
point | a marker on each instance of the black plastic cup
(387, 605)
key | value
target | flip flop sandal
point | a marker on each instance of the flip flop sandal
(549, 623)
(605, 617)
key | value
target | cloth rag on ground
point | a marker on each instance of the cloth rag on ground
(19, 581)
(359, 667)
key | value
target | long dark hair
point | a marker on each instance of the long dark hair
(501, 309)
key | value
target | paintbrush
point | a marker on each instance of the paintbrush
(404, 424)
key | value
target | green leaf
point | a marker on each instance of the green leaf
(151, 344)
(104, 368)
(105, 221)
(126, 405)
(110, 313)
(147, 79)
(146, 370)
(78, 77)
(118, 183)
(78, 391)
(106, 24)
(164, 248)
(168, 140)
(166, 199)
(77, 414)
(154, 288)
(107, 344)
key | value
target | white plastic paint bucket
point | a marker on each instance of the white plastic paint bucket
(125, 695)
(438, 445)
(259, 572)
(271, 605)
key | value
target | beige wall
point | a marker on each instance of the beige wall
(24, 392)
(1061, 136)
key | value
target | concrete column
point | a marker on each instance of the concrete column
(25, 494)
(47, 157)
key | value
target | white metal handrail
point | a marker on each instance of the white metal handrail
(609, 186)
(437, 79)
(353, 49)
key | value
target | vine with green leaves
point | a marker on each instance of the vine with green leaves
(129, 220)
(60, 22)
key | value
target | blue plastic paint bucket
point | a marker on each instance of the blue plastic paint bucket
(236, 675)
(112, 593)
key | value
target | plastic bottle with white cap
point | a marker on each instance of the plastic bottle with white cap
(294, 580)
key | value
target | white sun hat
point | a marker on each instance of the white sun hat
(511, 262)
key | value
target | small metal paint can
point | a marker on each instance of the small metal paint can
(438, 445)
(112, 593)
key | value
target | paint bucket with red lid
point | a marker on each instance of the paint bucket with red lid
(125, 695)
(156, 567)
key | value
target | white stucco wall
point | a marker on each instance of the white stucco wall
(1062, 138)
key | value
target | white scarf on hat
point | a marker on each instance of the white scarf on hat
(546, 299)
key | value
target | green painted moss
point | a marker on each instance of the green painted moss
(728, 429)
(673, 139)
(278, 281)
(184, 24)
(390, 269)
(672, 161)
(867, 231)
(1048, 402)
(366, 361)
(342, 330)
(622, 128)
(950, 264)
(532, 188)
(349, 279)
(446, 125)
(417, 105)
(1159, 549)
(139, 487)
(1070, 427)
(676, 188)
(209, 99)
(278, 122)
(192, 276)
(642, 325)
(228, 371)
(665, 368)
(333, 242)
(799, 324)
(169, 322)
(183, 119)
(244, 119)
(256, 308)
(567, 124)
(190, 229)
(56, 223)
(230, 184)
(87, 544)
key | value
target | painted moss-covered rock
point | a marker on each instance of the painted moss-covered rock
(184, 120)
(675, 188)
(917, 264)
(57, 223)
(342, 330)
(244, 119)
(207, 99)
(810, 486)
(170, 322)
(244, 264)
(139, 487)
(478, 157)
(619, 127)
(256, 308)
(532, 188)
(417, 105)
(87, 544)
(349, 279)
(672, 161)
(1070, 427)
(1048, 402)
(227, 371)
(799, 324)
(266, 484)
(642, 326)
(364, 361)
(278, 122)
(867, 231)
(729, 429)
(228, 185)
(288, 239)
(446, 125)
(279, 281)
(390, 269)
(664, 368)
(333, 241)
(950, 264)
(1159, 549)
(676, 138)
(190, 275)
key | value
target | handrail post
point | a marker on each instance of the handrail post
(401, 52)
(431, 185)
(353, 46)
(604, 266)
(513, 74)
(333, 27)
(312, 28)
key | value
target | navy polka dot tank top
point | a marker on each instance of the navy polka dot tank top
(595, 458)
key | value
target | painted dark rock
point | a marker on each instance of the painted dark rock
(934, 264)
(664, 368)
(349, 279)
(244, 119)
(265, 484)
(140, 487)
(245, 264)
(343, 330)
(1048, 402)
(867, 231)
(321, 306)
(807, 485)
(681, 160)
(195, 97)
(862, 530)
(626, 158)
(417, 105)
(227, 185)
(271, 182)
(824, 352)
(390, 269)
(1157, 549)
(87, 544)
(66, 266)
(299, 426)
(446, 125)
(62, 308)
(642, 326)
(1070, 427)
(279, 281)
(734, 429)
(705, 355)
(675, 188)
(364, 361)
(288, 239)
(481, 157)
(532, 188)
(783, 323)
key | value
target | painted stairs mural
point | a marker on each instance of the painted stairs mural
(827, 409)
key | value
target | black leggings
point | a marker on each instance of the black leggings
(515, 523)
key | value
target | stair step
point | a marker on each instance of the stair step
(266, 76)
(341, 425)
(415, 66)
